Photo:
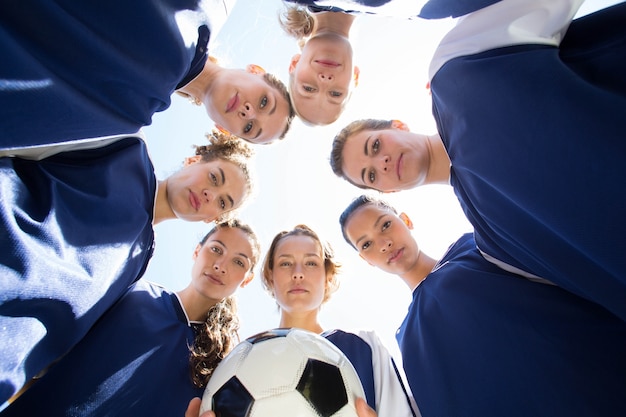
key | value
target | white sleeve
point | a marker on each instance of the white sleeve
(39, 152)
(393, 398)
(508, 22)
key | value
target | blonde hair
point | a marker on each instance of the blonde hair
(298, 23)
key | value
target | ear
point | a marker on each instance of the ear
(190, 160)
(368, 262)
(406, 220)
(357, 73)
(255, 69)
(397, 124)
(294, 61)
(247, 280)
(196, 251)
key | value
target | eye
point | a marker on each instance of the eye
(263, 102)
(285, 263)
(222, 203)
(308, 89)
(213, 178)
(366, 245)
(371, 176)
(335, 94)
(216, 249)
(240, 263)
(375, 146)
(311, 263)
(386, 225)
(247, 128)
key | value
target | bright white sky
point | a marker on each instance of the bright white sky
(295, 182)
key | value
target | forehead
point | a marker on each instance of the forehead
(235, 240)
(298, 243)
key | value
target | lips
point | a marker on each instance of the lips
(297, 291)
(194, 201)
(327, 63)
(395, 255)
(213, 279)
(399, 166)
(233, 103)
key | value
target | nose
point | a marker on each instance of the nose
(326, 77)
(297, 273)
(386, 246)
(207, 195)
(384, 163)
(217, 266)
(247, 111)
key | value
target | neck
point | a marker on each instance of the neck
(195, 305)
(439, 167)
(199, 87)
(422, 268)
(307, 321)
(162, 208)
(333, 22)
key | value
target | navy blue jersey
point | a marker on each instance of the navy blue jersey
(479, 341)
(134, 361)
(75, 232)
(82, 69)
(537, 149)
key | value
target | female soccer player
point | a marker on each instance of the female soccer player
(76, 229)
(300, 273)
(78, 70)
(534, 142)
(154, 349)
(481, 341)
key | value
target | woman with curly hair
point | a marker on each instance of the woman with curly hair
(76, 230)
(300, 273)
(154, 349)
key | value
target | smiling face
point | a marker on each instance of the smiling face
(222, 264)
(299, 276)
(382, 238)
(321, 78)
(247, 106)
(386, 160)
(202, 191)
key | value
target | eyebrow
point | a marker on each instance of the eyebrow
(367, 141)
(232, 202)
(356, 243)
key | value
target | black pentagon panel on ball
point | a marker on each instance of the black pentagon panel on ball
(323, 387)
(266, 335)
(232, 400)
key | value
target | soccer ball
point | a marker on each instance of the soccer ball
(288, 372)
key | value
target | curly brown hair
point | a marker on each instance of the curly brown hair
(230, 148)
(219, 333)
(331, 266)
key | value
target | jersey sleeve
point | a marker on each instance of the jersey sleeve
(506, 23)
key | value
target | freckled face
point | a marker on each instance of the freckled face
(382, 239)
(321, 78)
(203, 191)
(385, 160)
(299, 276)
(222, 263)
(247, 106)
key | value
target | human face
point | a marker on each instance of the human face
(386, 160)
(298, 276)
(222, 264)
(322, 77)
(247, 106)
(383, 239)
(202, 191)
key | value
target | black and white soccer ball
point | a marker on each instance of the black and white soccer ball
(284, 372)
